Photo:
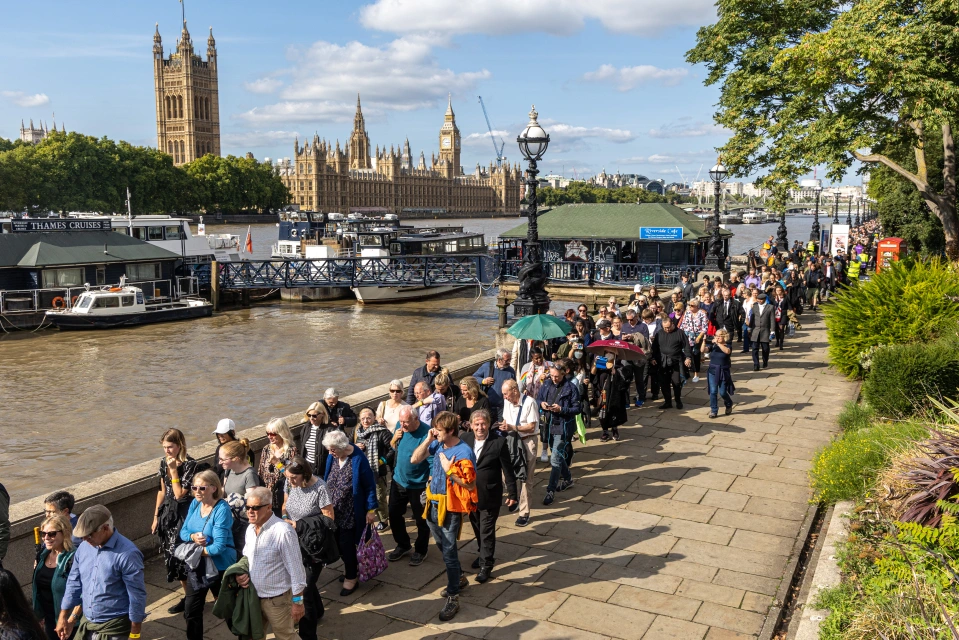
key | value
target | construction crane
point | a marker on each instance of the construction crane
(683, 178)
(499, 149)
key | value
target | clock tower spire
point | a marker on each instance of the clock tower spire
(450, 140)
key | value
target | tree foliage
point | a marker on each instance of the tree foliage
(825, 82)
(74, 172)
(580, 192)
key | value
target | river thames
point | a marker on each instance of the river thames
(77, 405)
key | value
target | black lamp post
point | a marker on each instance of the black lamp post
(532, 298)
(849, 213)
(782, 237)
(858, 220)
(814, 232)
(835, 213)
(714, 256)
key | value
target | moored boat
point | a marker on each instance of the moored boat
(124, 306)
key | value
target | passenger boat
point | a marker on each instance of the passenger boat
(730, 218)
(124, 306)
(754, 217)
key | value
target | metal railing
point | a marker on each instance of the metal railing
(36, 300)
(605, 273)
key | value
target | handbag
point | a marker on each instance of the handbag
(370, 556)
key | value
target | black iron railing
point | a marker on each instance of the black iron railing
(605, 273)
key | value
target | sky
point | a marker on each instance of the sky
(608, 77)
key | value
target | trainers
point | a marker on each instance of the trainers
(729, 409)
(564, 485)
(549, 498)
(382, 526)
(639, 403)
(615, 434)
(522, 521)
(695, 378)
(398, 553)
(450, 609)
(604, 437)
(544, 457)
(712, 415)
(463, 584)
(417, 559)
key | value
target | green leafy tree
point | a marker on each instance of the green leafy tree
(824, 82)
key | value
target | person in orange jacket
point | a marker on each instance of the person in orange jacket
(450, 497)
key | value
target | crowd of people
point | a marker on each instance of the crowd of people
(257, 531)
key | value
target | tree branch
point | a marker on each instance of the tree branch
(921, 184)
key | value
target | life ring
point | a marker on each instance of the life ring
(116, 289)
(73, 300)
(59, 303)
(293, 233)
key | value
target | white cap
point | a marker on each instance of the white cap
(224, 426)
(637, 288)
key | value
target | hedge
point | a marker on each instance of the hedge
(902, 377)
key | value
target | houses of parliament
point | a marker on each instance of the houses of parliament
(321, 176)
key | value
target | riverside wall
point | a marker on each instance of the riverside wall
(130, 493)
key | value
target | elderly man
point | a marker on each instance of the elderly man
(670, 354)
(106, 579)
(493, 466)
(559, 399)
(409, 480)
(521, 414)
(340, 413)
(429, 403)
(427, 373)
(492, 375)
(276, 566)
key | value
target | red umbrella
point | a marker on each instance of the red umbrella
(623, 350)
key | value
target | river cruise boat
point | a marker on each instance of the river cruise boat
(124, 306)
(754, 217)
(730, 217)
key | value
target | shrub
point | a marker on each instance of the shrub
(855, 416)
(908, 302)
(903, 376)
(846, 467)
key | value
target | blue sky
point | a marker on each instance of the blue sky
(608, 77)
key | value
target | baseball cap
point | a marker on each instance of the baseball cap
(224, 426)
(91, 520)
(603, 324)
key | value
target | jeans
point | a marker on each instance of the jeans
(559, 460)
(716, 390)
(445, 536)
(747, 343)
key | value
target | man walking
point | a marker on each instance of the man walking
(493, 464)
(451, 493)
(427, 373)
(521, 414)
(761, 325)
(671, 352)
(727, 314)
(276, 566)
(559, 399)
(409, 480)
(106, 579)
(492, 376)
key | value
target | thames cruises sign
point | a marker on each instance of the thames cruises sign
(63, 224)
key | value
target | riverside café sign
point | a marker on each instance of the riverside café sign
(660, 233)
(61, 224)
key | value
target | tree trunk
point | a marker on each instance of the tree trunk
(947, 205)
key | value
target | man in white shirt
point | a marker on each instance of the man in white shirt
(276, 566)
(521, 414)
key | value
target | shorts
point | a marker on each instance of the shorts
(812, 294)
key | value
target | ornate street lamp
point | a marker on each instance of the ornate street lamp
(782, 237)
(858, 221)
(814, 233)
(835, 212)
(849, 213)
(532, 297)
(714, 256)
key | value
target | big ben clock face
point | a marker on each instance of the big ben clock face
(446, 143)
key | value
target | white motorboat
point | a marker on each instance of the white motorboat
(754, 217)
(124, 306)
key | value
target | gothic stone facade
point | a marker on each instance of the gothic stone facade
(187, 99)
(330, 179)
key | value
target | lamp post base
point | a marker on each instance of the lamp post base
(526, 307)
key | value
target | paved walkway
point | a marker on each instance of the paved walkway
(681, 530)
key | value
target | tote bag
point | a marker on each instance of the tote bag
(370, 556)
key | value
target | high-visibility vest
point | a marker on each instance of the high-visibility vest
(854, 266)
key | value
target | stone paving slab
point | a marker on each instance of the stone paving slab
(681, 530)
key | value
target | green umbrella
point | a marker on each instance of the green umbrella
(540, 327)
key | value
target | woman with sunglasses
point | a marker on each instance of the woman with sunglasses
(173, 502)
(51, 572)
(317, 424)
(209, 524)
(388, 411)
(274, 458)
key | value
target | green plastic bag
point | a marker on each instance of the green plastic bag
(581, 428)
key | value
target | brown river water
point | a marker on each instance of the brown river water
(76, 405)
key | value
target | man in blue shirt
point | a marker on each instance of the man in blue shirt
(445, 522)
(492, 376)
(106, 578)
(409, 480)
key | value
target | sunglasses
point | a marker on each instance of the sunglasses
(272, 435)
(197, 488)
(309, 415)
(256, 507)
(396, 391)
(49, 534)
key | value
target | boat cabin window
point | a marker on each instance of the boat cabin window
(154, 233)
(126, 301)
(140, 233)
(371, 241)
(53, 278)
(174, 233)
(451, 246)
(84, 302)
(104, 302)
(396, 248)
(432, 247)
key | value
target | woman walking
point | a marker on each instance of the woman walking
(694, 324)
(208, 525)
(373, 439)
(781, 308)
(173, 503)
(352, 488)
(274, 458)
(17, 620)
(472, 398)
(50, 575)
(719, 374)
(388, 411)
(239, 476)
(308, 497)
(610, 389)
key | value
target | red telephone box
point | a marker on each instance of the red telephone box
(889, 250)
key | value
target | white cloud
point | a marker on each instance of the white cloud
(555, 17)
(323, 80)
(566, 133)
(258, 139)
(263, 85)
(483, 139)
(687, 128)
(681, 157)
(626, 78)
(22, 99)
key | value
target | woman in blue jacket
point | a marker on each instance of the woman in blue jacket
(209, 524)
(51, 572)
(352, 487)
